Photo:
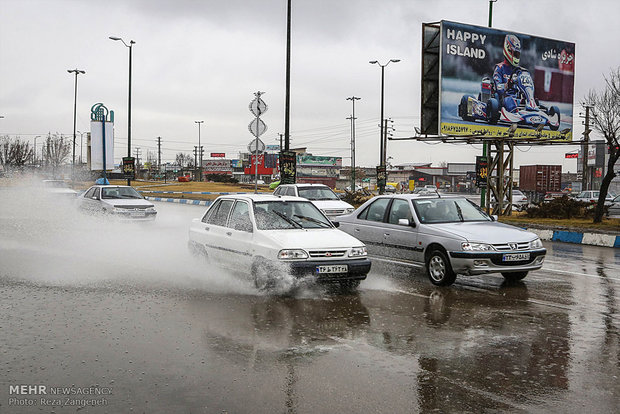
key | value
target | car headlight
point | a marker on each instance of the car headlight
(292, 254)
(477, 247)
(150, 209)
(349, 210)
(358, 251)
(536, 244)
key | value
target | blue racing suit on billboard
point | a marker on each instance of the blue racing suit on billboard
(502, 85)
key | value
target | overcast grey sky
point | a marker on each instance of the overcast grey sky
(203, 60)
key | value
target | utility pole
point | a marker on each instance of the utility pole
(584, 152)
(200, 147)
(195, 161)
(137, 158)
(352, 118)
(280, 141)
(159, 153)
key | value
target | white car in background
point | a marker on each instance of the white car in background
(591, 196)
(320, 195)
(269, 237)
(59, 188)
(120, 201)
(614, 208)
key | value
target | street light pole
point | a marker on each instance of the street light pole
(77, 72)
(199, 152)
(381, 144)
(131, 43)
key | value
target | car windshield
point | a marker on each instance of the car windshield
(443, 210)
(317, 193)
(119, 192)
(284, 215)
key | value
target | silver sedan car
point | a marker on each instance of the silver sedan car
(447, 235)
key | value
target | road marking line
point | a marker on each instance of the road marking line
(580, 274)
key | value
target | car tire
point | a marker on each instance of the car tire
(493, 110)
(439, 269)
(262, 273)
(514, 276)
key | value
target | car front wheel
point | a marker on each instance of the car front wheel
(514, 276)
(263, 273)
(439, 269)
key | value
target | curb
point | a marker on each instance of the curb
(592, 239)
(181, 201)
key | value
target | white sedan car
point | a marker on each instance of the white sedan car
(321, 196)
(119, 201)
(267, 236)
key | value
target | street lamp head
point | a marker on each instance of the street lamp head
(199, 122)
(372, 62)
(115, 38)
(395, 60)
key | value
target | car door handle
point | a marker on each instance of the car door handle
(386, 234)
(229, 233)
(356, 230)
(206, 229)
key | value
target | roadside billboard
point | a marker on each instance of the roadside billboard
(491, 79)
(217, 167)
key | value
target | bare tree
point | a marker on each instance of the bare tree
(14, 152)
(185, 161)
(57, 149)
(606, 116)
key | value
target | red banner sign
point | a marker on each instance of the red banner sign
(218, 155)
(571, 155)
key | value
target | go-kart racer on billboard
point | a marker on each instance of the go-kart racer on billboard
(511, 99)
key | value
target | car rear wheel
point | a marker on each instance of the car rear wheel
(439, 269)
(514, 276)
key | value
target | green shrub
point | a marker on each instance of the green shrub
(562, 208)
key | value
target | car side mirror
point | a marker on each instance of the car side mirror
(336, 224)
(494, 217)
(406, 222)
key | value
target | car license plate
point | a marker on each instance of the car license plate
(138, 214)
(332, 269)
(515, 257)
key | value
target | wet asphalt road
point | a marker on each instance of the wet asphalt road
(125, 310)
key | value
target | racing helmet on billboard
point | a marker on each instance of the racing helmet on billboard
(512, 49)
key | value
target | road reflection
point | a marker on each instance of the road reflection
(496, 343)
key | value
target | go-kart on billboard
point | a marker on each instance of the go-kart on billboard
(491, 79)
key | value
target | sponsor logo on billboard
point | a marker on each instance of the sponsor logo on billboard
(492, 79)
